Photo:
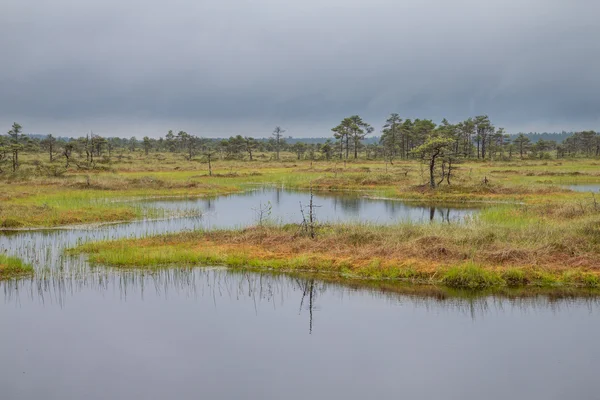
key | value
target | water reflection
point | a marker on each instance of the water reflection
(235, 210)
(221, 333)
(55, 288)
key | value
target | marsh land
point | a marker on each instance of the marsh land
(203, 262)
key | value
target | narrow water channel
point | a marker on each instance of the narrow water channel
(98, 333)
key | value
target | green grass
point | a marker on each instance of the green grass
(13, 267)
(471, 276)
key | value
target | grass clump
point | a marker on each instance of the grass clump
(515, 277)
(13, 267)
(471, 276)
(581, 278)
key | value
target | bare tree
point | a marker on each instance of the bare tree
(209, 154)
(263, 213)
(309, 221)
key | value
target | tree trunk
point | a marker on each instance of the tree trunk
(483, 148)
(432, 169)
(15, 160)
(443, 173)
(521, 149)
(347, 146)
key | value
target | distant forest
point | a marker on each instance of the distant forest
(420, 139)
(532, 136)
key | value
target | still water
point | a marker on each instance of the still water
(592, 187)
(95, 333)
(285, 206)
(220, 334)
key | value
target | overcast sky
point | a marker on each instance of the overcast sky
(225, 67)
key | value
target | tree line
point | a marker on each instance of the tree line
(473, 138)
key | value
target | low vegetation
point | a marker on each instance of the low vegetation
(12, 267)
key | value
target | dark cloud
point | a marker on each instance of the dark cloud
(243, 66)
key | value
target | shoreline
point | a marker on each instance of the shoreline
(282, 249)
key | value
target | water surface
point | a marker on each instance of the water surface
(592, 187)
(185, 333)
(285, 206)
(222, 334)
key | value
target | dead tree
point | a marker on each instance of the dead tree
(309, 221)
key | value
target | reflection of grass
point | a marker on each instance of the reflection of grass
(12, 267)
(503, 247)
(442, 292)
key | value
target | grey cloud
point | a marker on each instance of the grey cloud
(243, 66)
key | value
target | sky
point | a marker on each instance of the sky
(226, 67)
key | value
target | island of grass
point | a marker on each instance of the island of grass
(13, 267)
(506, 246)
